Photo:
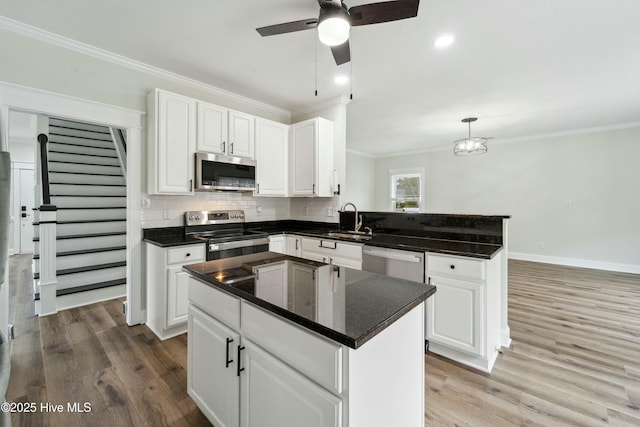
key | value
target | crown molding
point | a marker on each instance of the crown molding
(583, 131)
(105, 55)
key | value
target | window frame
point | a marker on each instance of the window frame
(393, 173)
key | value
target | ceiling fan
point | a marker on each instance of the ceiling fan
(335, 21)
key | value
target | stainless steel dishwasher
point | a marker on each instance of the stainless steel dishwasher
(393, 262)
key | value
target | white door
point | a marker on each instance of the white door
(26, 211)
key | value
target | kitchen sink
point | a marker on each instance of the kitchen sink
(351, 236)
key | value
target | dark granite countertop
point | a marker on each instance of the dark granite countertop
(345, 305)
(168, 236)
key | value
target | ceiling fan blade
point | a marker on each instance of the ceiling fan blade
(288, 27)
(376, 13)
(341, 53)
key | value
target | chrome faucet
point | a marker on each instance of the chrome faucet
(357, 219)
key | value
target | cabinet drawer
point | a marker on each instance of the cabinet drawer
(456, 266)
(308, 353)
(185, 254)
(218, 304)
(332, 248)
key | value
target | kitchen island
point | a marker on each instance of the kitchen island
(276, 340)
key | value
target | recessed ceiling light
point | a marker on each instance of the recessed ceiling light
(443, 41)
(341, 79)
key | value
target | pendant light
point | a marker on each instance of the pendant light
(470, 146)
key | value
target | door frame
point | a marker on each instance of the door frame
(16, 167)
(37, 101)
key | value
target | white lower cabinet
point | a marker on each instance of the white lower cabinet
(274, 395)
(212, 379)
(463, 316)
(237, 383)
(167, 299)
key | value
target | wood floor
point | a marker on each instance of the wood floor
(574, 361)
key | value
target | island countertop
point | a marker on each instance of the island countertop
(345, 305)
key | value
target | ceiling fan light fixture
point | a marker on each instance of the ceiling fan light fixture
(470, 146)
(334, 26)
(443, 41)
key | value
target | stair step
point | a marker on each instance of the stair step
(86, 268)
(93, 143)
(66, 123)
(89, 287)
(75, 202)
(76, 178)
(86, 251)
(83, 159)
(94, 214)
(82, 243)
(84, 236)
(87, 229)
(81, 278)
(55, 166)
(80, 133)
(64, 147)
(79, 190)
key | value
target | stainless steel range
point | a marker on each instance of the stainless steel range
(224, 231)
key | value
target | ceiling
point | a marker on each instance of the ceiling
(524, 68)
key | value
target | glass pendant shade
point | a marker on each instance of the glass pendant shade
(470, 146)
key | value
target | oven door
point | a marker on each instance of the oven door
(237, 248)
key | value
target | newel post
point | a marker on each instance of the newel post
(48, 279)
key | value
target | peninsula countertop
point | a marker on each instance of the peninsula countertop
(345, 305)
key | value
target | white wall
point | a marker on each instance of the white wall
(577, 194)
(361, 172)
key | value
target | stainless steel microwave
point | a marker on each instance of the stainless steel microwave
(217, 172)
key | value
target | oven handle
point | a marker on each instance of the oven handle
(237, 244)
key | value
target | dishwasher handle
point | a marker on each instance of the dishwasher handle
(391, 255)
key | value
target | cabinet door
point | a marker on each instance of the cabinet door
(294, 246)
(274, 395)
(271, 283)
(212, 382)
(176, 139)
(212, 128)
(303, 159)
(241, 134)
(271, 158)
(277, 244)
(455, 313)
(177, 298)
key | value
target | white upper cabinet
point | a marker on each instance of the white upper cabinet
(311, 158)
(271, 152)
(212, 128)
(224, 131)
(241, 134)
(172, 142)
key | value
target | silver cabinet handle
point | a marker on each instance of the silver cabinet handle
(224, 146)
(231, 145)
(314, 189)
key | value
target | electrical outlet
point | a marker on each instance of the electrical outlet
(330, 211)
(259, 209)
(165, 214)
(146, 203)
(305, 210)
(541, 245)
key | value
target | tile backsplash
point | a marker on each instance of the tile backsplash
(168, 211)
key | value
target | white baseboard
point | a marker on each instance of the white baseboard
(576, 262)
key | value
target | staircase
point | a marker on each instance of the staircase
(88, 187)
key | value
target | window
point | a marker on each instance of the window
(406, 190)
